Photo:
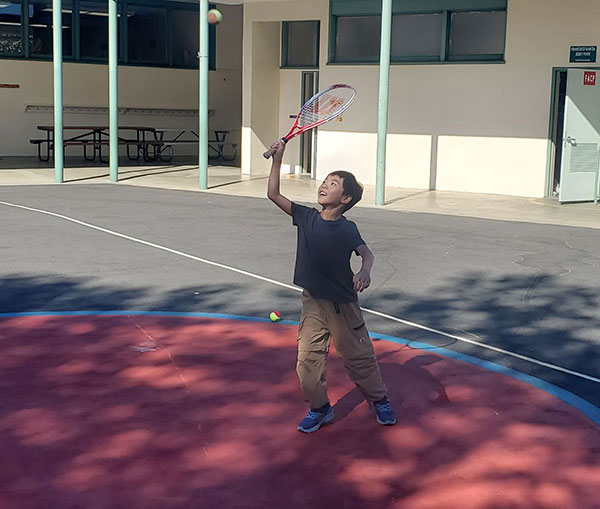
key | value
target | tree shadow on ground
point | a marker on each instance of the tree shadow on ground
(24, 293)
(155, 411)
(538, 317)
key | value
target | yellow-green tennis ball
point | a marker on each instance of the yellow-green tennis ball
(275, 316)
(215, 16)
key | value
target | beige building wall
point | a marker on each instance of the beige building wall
(270, 84)
(86, 85)
(261, 41)
(461, 127)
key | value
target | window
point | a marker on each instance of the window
(184, 34)
(146, 35)
(40, 28)
(358, 38)
(184, 39)
(93, 38)
(432, 31)
(477, 33)
(10, 28)
(151, 33)
(417, 36)
(300, 44)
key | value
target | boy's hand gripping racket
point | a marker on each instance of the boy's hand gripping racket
(327, 105)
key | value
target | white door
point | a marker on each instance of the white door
(581, 142)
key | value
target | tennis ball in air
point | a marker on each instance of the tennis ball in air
(215, 16)
(275, 316)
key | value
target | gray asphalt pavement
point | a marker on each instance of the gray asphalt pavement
(528, 288)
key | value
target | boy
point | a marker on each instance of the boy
(330, 306)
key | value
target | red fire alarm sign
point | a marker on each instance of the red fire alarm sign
(589, 78)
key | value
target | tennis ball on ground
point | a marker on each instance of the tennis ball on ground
(215, 16)
(275, 316)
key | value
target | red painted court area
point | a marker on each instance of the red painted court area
(150, 411)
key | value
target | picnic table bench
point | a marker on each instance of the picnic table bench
(151, 143)
(95, 137)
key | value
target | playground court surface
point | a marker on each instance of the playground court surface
(138, 369)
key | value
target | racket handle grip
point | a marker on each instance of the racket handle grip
(269, 153)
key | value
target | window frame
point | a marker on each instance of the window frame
(93, 60)
(24, 47)
(168, 49)
(169, 7)
(427, 58)
(362, 8)
(332, 42)
(482, 57)
(285, 41)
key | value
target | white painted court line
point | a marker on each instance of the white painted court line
(295, 288)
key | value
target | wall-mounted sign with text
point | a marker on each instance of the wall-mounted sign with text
(589, 78)
(583, 53)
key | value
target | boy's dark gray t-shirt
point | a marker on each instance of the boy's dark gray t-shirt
(323, 254)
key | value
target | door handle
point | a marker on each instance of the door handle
(571, 141)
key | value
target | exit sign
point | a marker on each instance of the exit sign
(589, 78)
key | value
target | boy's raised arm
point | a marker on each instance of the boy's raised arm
(273, 190)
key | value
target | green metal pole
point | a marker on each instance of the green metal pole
(113, 79)
(384, 81)
(203, 98)
(596, 181)
(59, 162)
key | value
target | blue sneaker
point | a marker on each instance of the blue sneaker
(385, 414)
(315, 418)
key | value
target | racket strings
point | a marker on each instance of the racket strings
(327, 105)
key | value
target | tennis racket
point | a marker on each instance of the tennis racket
(320, 109)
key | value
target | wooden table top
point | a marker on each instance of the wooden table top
(95, 128)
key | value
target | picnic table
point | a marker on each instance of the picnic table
(151, 143)
(95, 137)
(218, 148)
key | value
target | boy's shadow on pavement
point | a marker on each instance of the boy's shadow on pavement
(409, 385)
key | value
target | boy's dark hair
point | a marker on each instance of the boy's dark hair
(351, 187)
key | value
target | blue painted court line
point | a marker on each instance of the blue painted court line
(589, 410)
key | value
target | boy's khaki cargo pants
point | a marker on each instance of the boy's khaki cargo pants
(321, 320)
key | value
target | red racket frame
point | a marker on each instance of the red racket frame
(295, 130)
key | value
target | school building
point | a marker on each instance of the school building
(485, 96)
